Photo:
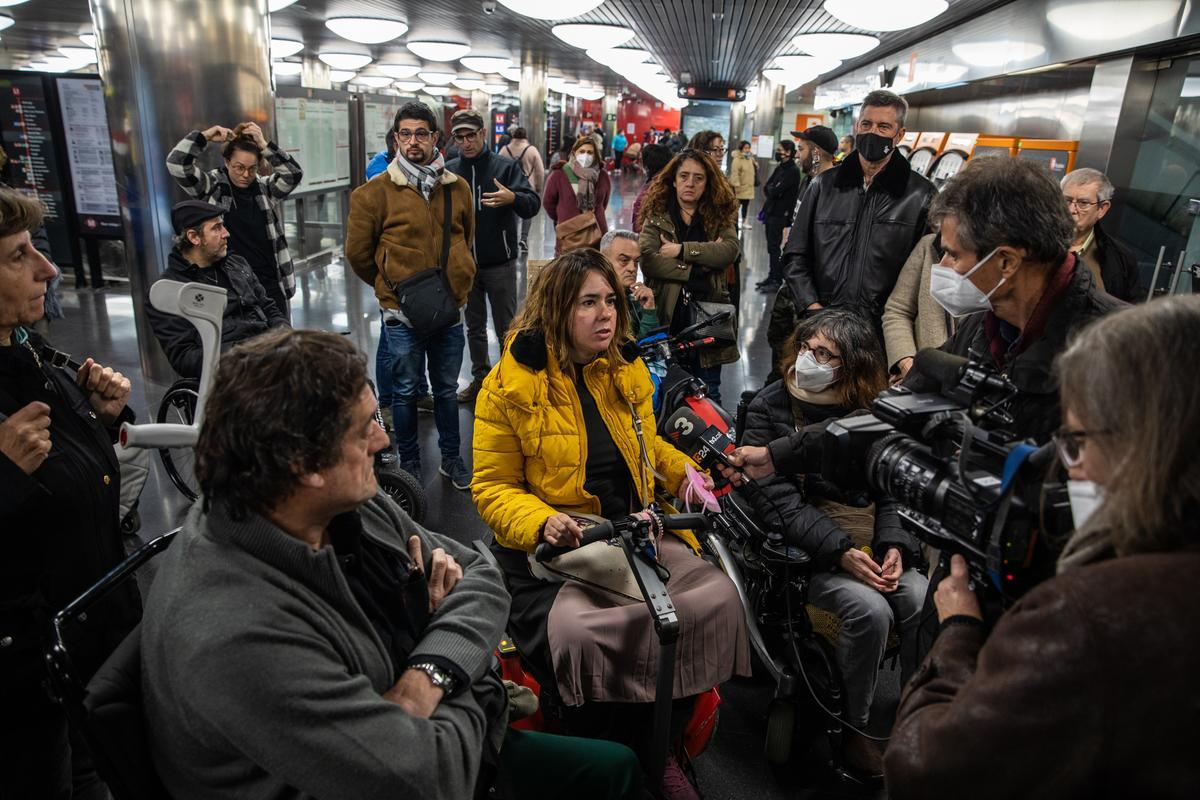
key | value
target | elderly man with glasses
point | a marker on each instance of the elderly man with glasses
(1089, 194)
(500, 193)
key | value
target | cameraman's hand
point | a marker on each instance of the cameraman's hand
(561, 530)
(893, 567)
(902, 368)
(754, 461)
(862, 566)
(954, 597)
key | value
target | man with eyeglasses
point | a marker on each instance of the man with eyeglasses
(500, 194)
(1089, 193)
(249, 200)
(394, 233)
(859, 221)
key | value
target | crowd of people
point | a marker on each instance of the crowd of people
(303, 637)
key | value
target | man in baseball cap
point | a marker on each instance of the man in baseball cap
(815, 148)
(201, 255)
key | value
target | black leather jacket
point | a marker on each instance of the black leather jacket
(848, 244)
(248, 310)
(781, 191)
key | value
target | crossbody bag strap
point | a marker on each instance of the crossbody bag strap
(445, 263)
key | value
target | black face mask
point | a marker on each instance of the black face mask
(780, 156)
(873, 147)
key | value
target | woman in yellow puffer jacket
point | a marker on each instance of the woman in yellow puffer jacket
(556, 435)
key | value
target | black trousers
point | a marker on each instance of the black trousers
(745, 208)
(43, 757)
(774, 246)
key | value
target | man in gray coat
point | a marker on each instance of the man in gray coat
(304, 638)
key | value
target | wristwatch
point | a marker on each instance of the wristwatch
(439, 677)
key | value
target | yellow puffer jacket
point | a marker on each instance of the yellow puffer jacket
(530, 446)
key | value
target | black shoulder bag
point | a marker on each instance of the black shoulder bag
(425, 299)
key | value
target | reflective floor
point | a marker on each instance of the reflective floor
(100, 324)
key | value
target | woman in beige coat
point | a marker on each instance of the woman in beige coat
(743, 176)
(912, 319)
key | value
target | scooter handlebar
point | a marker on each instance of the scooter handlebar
(607, 529)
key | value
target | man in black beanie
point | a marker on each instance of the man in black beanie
(201, 255)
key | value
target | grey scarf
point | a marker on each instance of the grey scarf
(585, 189)
(425, 176)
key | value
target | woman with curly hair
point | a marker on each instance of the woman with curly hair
(689, 241)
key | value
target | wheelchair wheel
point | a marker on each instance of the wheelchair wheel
(781, 727)
(406, 490)
(179, 406)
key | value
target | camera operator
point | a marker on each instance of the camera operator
(1086, 686)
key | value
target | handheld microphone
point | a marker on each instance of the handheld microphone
(707, 444)
(944, 368)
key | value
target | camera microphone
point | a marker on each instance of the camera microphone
(945, 369)
(708, 444)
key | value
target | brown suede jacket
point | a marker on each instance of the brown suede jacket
(1085, 689)
(393, 232)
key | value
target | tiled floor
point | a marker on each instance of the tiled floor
(100, 324)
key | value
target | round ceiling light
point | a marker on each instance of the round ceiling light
(485, 64)
(278, 5)
(438, 91)
(551, 9)
(12, 2)
(374, 81)
(345, 61)
(398, 71)
(438, 78)
(286, 67)
(618, 57)
(495, 88)
(367, 30)
(282, 48)
(599, 36)
(1110, 20)
(806, 64)
(556, 84)
(885, 15)
(409, 86)
(439, 51)
(997, 53)
(469, 84)
(56, 64)
(6, 22)
(835, 45)
(512, 74)
(341, 75)
(89, 39)
(80, 55)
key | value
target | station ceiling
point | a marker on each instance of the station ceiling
(712, 42)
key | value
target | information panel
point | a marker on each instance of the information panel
(377, 121)
(89, 152)
(317, 134)
(28, 141)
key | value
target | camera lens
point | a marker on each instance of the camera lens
(907, 471)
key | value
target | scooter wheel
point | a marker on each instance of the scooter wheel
(408, 493)
(781, 727)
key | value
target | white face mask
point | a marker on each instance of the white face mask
(956, 293)
(1086, 497)
(811, 375)
(584, 159)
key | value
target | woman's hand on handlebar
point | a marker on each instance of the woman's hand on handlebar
(561, 530)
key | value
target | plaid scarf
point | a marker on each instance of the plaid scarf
(425, 176)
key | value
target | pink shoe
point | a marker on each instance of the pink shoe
(675, 785)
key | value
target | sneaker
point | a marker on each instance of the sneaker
(468, 394)
(412, 467)
(675, 785)
(523, 246)
(457, 472)
(425, 404)
(386, 413)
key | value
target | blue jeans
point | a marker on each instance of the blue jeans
(443, 350)
(383, 370)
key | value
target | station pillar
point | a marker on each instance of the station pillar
(533, 102)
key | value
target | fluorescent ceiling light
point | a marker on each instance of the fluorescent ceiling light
(1109, 20)
(409, 86)
(806, 64)
(485, 64)
(439, 51)
(438, 91)
(277, 5)
(282, 48)
(368, 30)
(885, 15)
(374, 81)
(341, 75)
(469, 84)
(285, 68)
(345, 61)
(843, 46)
(551, 9)
(398, 71)
(997, 53)
(80, 55)
(512, 73)
(1191, 87)
(495, 88)
(585, 36)
(89, 39)
(438, 78)
(6, 22)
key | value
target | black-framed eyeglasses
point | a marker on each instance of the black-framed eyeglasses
(469, 135)
(1082, 205)
(420, 134)
(1069, 444)
(822, 355)
(716, 152)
